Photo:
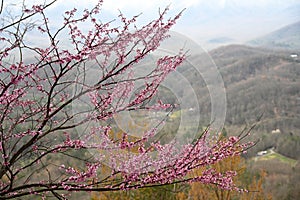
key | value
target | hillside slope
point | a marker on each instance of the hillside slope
(262, 82)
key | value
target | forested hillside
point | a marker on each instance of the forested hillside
(260, 81)
(262, 88)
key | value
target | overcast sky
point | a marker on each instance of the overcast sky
(203, 20)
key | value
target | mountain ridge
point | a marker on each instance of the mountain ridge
(287, 37)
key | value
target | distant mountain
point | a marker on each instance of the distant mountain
(221, 40)
(287, 37)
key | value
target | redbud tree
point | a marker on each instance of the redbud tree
(43, 71)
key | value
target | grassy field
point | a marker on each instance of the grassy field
(273, 155)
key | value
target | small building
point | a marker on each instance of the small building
(276, 131)
(191, 109)
(261, 153)
(294, 56)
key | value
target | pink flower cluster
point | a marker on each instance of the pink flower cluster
(79, 176)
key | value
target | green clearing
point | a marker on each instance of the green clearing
(273, 155)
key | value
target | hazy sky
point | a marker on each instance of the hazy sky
(203, 20)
